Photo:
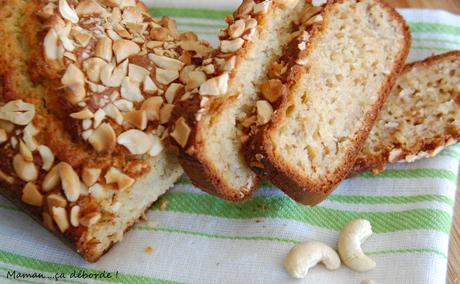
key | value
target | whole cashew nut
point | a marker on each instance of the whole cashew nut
(304, 256)
(349, 245)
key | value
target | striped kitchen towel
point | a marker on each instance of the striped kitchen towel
(197, 238)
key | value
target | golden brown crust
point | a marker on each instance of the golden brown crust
(425, 147)
(260, 154)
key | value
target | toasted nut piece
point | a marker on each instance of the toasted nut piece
(104, 49)
(264, 112)
(165, 113)
(125, 48)
(24, 170)
(195, 79)
(137, 118)
(149, 85)
(67, 12)
(137, 73)
(159, 34)
(272, 90)
(229, 46)
(103, 139)
(51, 180)
(166, 62)
(113, 112)
(136, 141)
(47, 157)
(17, 112)
(25, 152)
(48, 221)
(99, 116)
(93, 68)
(173, 90)
(185, 73)
(60, 217)
(152, 107)
(237, 29)
(73, 76)
(81, 36)
(349, 245)
(90, 219)
(130, 90)
(84, 114)
(157, 147)
(28, 137)
(75, 216)
(75, 93)
(124, 105)
(306, 255)
(31, 195)
(245, 8)
(89, 7)
(196, 46)
(3, 136)
(56, 200)
(262, 7)
(216, 86)
(112, 76)
(181, 132)
(166, 76)
(90, 175)
(70, 181)
(97, 191)
(53, 50)
(122, 180)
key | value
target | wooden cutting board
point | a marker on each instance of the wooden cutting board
(454, 252)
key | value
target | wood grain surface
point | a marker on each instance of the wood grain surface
(454, 251)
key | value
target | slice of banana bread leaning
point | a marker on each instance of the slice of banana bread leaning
(420, 118)
(86, 91)
(210, 127)
(336, 87)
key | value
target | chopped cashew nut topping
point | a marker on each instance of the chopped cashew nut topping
(60, 217)
(90, 175)
(47, 157)
(31, 195)
(122, 180)
(17, 112)
(264, 112)
(349, 245)
(181, 132)
(136, 141)
(67, 12)
(75, 216)
(306, 255)
(70, 181)
(51, 180)
(26, 171)
(216, 86)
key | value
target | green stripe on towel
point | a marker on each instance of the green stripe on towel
(279, 207)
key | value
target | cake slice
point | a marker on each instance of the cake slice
(420, 118)
(337, 81)
(86, 92)
(210, 127)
